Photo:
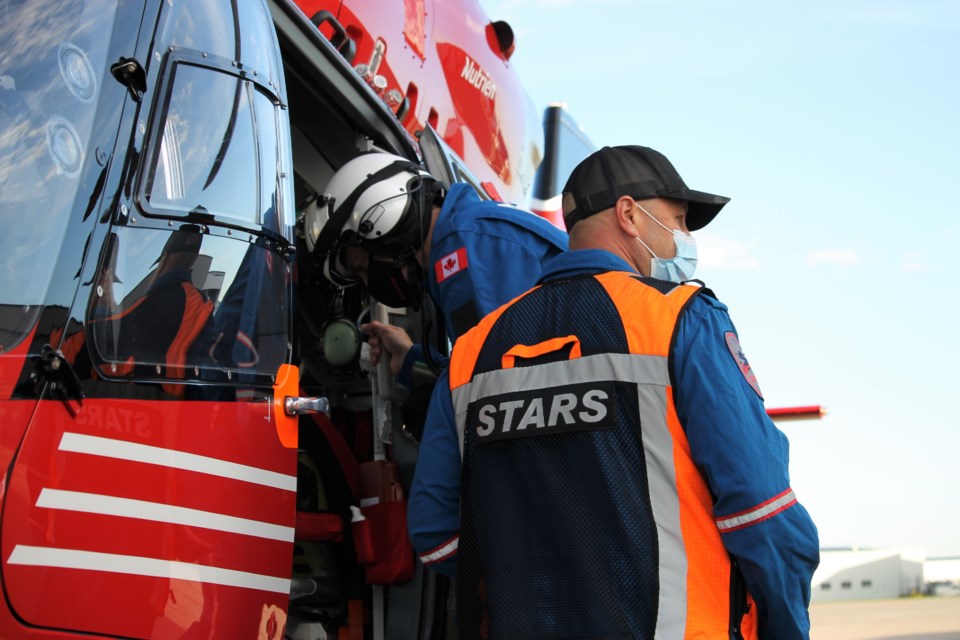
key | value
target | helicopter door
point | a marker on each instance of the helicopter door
(444, 164)
(164, 506)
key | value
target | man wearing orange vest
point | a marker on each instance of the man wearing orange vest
(597, 462)
(171, 318)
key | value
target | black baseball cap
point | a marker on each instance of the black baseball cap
(639, 172)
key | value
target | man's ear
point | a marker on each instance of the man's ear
(626, 212)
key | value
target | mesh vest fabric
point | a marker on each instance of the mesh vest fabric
(565, 533)
(579, 572)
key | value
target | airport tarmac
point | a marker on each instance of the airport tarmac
(899, 619)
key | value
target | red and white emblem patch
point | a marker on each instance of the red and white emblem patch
(451, 264)
(733, 343)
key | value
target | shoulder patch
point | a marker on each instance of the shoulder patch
(733, 343)
(451, 264)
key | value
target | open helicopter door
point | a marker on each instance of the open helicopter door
(445, 165)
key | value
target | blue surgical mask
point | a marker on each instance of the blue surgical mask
(681, 266)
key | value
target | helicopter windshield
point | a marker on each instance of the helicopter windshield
(53, 61)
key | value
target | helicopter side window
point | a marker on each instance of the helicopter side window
(185, 305)
(206, 159)
(214, 148)
(204, 293)
(213, 27)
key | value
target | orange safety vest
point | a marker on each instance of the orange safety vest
(196, 312)
(700, 592)
(190, 322)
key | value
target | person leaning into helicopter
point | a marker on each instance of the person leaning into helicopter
(394, 227)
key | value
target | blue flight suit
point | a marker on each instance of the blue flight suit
(494, 251)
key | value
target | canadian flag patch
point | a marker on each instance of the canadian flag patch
(451, 264)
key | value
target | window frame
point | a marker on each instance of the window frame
(171, 62)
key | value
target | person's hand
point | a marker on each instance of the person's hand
(390, 339)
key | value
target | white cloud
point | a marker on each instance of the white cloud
(834, 257)
(915, 262)
(717, 252)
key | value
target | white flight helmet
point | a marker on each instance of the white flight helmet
(375, 200)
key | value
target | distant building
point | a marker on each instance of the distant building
(941, 576)
(861, 574)
(942, 570)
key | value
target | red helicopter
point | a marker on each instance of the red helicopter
(192, 444)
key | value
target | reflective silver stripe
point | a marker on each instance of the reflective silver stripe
(665, 502)
(758, 513)
(442, 552)
(606, 366)
(652, 377)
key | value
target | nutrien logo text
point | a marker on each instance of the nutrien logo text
(478, 78)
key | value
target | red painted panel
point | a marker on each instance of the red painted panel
(474, 95)
(102, 598)
(150, 608)
(806, 412)
(494, 134)
(554, 217)
(240, 432)
(414, 22)
(88, 474)
(11, 363)
(10, 627)
(14, 416)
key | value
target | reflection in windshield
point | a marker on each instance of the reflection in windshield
(53, 54)
(171, 303)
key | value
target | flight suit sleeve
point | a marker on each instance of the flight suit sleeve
(744, 458)
(433, 513)
(475, 273)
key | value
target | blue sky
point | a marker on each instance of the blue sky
(833, 126)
